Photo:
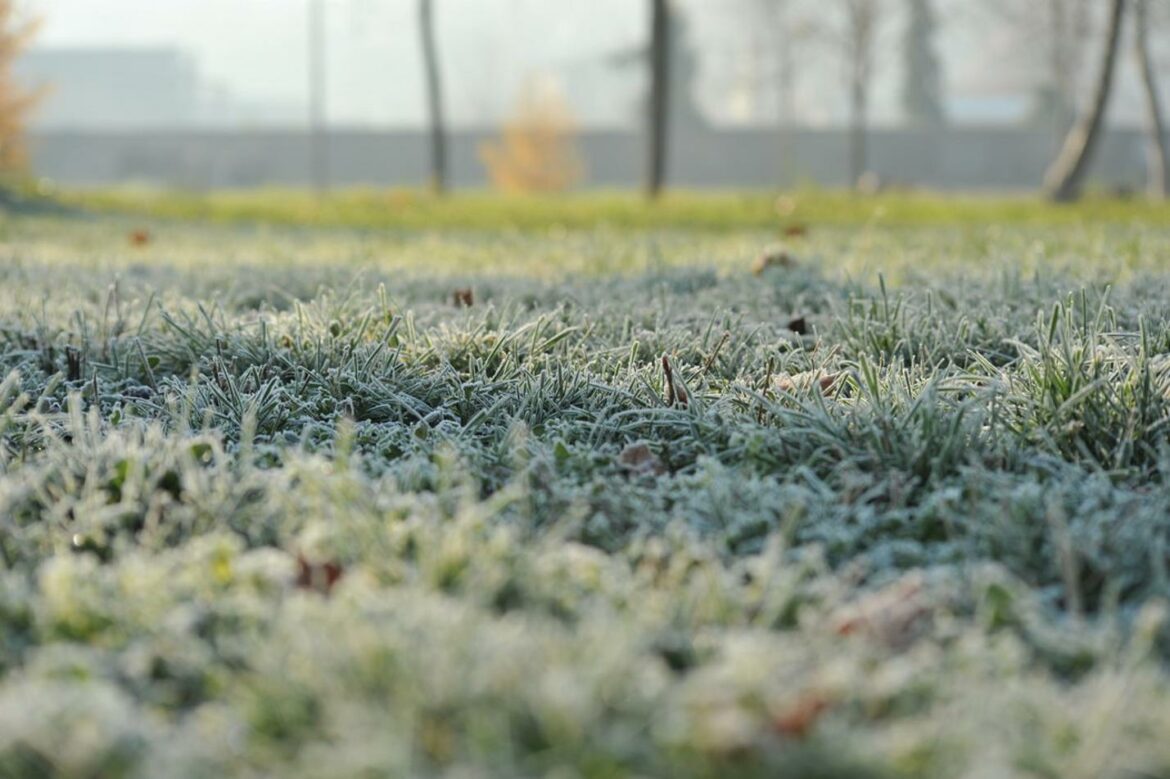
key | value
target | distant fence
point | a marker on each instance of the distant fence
(960, 158)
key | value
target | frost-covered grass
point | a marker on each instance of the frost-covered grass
(272, 505)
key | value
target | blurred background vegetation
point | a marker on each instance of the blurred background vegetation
(537, 97)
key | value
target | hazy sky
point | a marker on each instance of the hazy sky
(255, 50)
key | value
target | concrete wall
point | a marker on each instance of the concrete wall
(968, 158)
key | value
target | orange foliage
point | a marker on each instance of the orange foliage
(16, 103)
(537, 149)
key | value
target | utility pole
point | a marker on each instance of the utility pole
(318, 132)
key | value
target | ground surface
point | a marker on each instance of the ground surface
(271, 504)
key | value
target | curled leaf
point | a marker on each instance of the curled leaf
(796, 230)
(639, 460)
(676, 394)
(798, 720)
(775, 259)
(322, 577)
(804, 381)
(786, 205)
(889, 615)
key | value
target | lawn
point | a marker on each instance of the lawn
(726, 211)
(310, 490)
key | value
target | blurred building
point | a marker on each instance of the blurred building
(960, 158)
(127, 88)
(133, 114)
(110, 88)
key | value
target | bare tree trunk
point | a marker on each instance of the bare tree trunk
(787, 81)
(781, 26)
(861, 19)
(659, 103)
(1157, 176)
(858, 121)
(787, 117)
(438, 130)
(787, 113)
(318, 135)
(1063, 99)
(1066, 175)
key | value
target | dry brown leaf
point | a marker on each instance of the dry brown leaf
(799, 720)
(800, 381)
(870, 183)
(322, 577)
(140, 238)
(786, 205)
(798, 325)
(775, 259)
(639, 460)
(796, 230)
(463, 298)
(676, 394)
(889, 615)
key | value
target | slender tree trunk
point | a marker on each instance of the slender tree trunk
(787, 76)
(318, 134)
(858, 123)
(1157, 176)
(659, 103)
(1063, 102)
(1065, 177)
(861, 30)
(438, 129)
(786, 92)
(787, 115)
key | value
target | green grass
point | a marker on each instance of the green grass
(271, 505)
(411, 209)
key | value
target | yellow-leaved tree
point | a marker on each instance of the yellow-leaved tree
(16, 101)
(537, 148)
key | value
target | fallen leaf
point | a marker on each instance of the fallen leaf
(801, 381)
(140, 238)
(786, 205)
(799, 720)
(796, 230)
(400, 199)
(463, 298)
(888, 615)
(321, 577)
(639, 460)
(775, 259)
(799, 325)
(676, 395)
(870, 183)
